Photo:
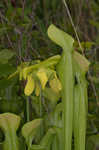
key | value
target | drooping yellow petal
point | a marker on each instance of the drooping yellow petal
(41, 74)
(55, 84)
(37, 90)
(29, 85)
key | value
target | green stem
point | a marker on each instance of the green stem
(40, 106)
(65, 71)
(66, 77)
(8, 93)
(27, 109)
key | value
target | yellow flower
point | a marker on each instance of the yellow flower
(41, 74)
(55, 84)
(29, 85)
(37, 90)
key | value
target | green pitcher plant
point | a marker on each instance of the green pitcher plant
(65, 78)
(65, 71)
(71, 67)
(80, 101)
(92, 142)
(9, 123)
(30, 131)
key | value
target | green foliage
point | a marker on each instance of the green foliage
(23, 38)
(9, 123)
(5, 55)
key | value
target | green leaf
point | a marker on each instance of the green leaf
(4, 83)
(94, 23)
(5, 55)
(48, 139)
(85, 45)
(6, 69)
(93, 142)
(30, 130)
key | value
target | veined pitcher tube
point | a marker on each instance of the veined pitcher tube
(65, 71)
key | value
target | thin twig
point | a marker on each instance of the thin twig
(72, 23)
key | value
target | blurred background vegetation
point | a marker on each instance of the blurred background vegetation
(23, 37)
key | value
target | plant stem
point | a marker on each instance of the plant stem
(27, 109)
